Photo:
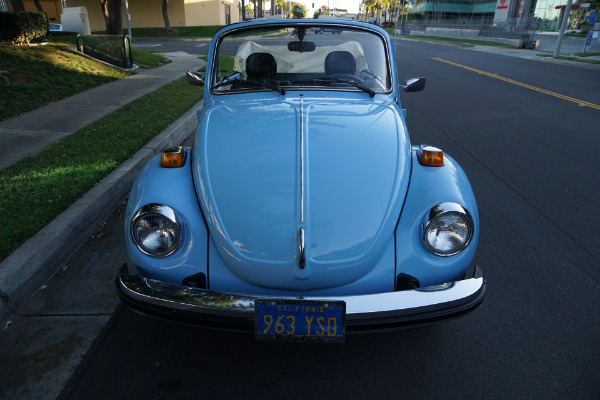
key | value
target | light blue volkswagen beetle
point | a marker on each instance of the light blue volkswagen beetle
(302, 212)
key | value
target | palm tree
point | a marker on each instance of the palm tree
(249, 10)
(280, 5)
(385, 5)
(374, 6)
(369, 6)
(393, 6)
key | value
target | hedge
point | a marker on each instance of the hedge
(22, 27)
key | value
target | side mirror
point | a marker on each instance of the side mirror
(414, 84)
(194, 78)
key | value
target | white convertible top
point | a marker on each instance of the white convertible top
(296, 62)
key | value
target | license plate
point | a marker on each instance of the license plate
(300, 320)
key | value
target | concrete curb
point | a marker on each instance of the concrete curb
(24, 271)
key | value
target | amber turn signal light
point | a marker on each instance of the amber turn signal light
(173, 157)
(431, 156)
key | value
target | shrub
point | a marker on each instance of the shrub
(22, 27)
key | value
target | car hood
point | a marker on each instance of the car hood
(333, 171)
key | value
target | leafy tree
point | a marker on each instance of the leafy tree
(249, 10)
(385, 6)
(370, 6)
(298, 10)
(374, 7)
(280, 5)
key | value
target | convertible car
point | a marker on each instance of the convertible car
(302, 212)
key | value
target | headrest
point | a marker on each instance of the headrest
(261, 66)
(340, 62)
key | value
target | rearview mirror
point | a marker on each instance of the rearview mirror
(414, 84)
(194, 78)
(301, 46)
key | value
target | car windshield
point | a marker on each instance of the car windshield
(301, 57)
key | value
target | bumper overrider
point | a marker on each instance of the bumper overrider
(364, 313)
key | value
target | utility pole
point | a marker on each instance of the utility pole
(128, 17)
(563, 25)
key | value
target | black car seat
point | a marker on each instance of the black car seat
(340, 62)
(261, 67)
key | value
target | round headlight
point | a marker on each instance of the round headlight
(448, 230)
(156, 230)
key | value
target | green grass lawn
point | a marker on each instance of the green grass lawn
(225, 64)
(148, 58)
(587, 54)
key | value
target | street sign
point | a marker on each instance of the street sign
(592, 17)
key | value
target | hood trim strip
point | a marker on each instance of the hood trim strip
(301, 161)
(302, 254)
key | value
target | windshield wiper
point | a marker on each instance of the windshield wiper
(268, 85)
(356, 82)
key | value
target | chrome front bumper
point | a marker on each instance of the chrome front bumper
(364, 313)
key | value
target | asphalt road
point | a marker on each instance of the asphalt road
(526, 133)
(191, 46)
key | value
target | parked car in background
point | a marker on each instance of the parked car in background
(302, 212)
(325, 29)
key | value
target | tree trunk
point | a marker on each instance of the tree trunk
(165, 13)
(116, 24)
(105, 13)
(17, 5)
(37, 5)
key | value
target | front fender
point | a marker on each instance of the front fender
(430, 186)
(172, 187)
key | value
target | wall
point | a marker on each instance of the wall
(50, 7)
(210, 12)
(148, 13)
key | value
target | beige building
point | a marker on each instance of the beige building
(148, 13)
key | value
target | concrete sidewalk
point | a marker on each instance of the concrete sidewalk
(541, 56)
(24, 271)
(570, 47)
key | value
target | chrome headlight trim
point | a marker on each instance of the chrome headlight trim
(441, 210)
(160, 210)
